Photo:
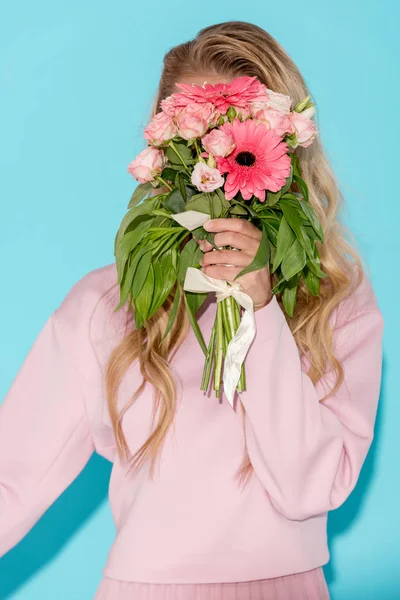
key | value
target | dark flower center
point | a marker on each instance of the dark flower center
(246, 159)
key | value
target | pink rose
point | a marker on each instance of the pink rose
(160, 128)
(218, 142)
(169, 105)
(149, 163)
(206, 179)
(195, 119)
(274, 119)
(303, 126)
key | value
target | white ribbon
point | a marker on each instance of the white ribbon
(198, 281)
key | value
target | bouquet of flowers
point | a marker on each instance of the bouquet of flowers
(224, 150)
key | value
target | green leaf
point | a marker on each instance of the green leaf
(296, 165)
(272, 229)
(175, 237)
(273, 198)
(192, 319)
(183, 150)
(312, 281)
(224, 204)
(201, 234)
(199, 202)
(161, 212)
(139, 193)
(293, 218)
(164, 280)
(261, 258)
(290, 294)
(285, 239)
(288, 182)
(179, 182)
(173, 313)
(141, 273)
(312, 217)
(145, 208)
(238, 209)
(128, 243)
(190, 192)
(195, 300)
(143, 300)
(190, 257)
(294, 260)
(125, 286)
(314, 266)
(303, 187)
(169, 174)
(174, 201)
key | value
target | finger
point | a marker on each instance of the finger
(227, 273)
(225, 257)
(237, 240)
(205, 246)
(236, 225)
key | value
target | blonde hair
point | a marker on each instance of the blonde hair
(232, 49)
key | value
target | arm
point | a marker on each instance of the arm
(308, 454)
(45, 440)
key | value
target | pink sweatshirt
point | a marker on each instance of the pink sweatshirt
(193, 523)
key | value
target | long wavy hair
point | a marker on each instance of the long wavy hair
(233, 49)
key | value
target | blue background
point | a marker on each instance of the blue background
(77, 84)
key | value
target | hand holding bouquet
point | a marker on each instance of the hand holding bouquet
(219, 152)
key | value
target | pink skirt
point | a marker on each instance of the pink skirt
(309, 585)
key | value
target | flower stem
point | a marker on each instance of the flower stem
(172, 145)
(236, 315)
(161, 180)
(205, 382)
(218, 350)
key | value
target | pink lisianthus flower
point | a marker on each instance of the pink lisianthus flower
(258, 163)
(160, 128)
(149, 163)
(239, 92)
(277, 102)
(206, 179)
(274, 119)
(195, 119)
(303, 126)
(218, 142)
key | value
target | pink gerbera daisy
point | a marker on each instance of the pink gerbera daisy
(239, 93)
(258, 163)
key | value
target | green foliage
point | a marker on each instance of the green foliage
(294, 260)
(141, 191)
(261, 258)
(190, 257)
(289, 295)
(174, 201)
(285, 239)
(215, 204)
(201, 234)
(189, 297)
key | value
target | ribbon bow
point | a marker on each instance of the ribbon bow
(197, 281)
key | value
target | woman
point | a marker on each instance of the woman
(208, 502)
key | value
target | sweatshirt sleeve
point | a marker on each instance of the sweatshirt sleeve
(45, 440)
(306, 452)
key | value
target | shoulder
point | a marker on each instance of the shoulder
(89, 305)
